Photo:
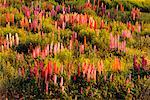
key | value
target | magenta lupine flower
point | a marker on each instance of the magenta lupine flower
(35, 24)
(58, 8)
(27, 13)
(68, 9)
(135, 63)
(144, 62)
(53, 12)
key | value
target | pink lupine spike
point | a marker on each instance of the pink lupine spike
(46, 75)
(53, 12)
(61, 82)
(124, 46)
(33, 54)
(88, 74)
(70, 47)
(139, 28)
(50, 67)
(55, 79)
(55, 49)
(19, 71)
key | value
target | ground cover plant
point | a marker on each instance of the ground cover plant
(74, 49)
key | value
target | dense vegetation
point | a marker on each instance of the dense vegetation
(74, 49)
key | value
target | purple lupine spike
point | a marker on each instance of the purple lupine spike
(58, 8)
(144, 62)
(53, 12)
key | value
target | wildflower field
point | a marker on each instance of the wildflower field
(75, 49)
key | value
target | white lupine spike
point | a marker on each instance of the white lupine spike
(2, 48)
(7, 37)
(13, 40)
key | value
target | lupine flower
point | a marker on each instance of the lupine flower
(135, 63)
(7, 17)
(17, 39)
(100, 66)
(58, 8)
(144, 62)
(111, 78)
(102, 24)
(55, 68)
(46, 88)
(81, 49)
(50, 67)
(23, 72)
(55, 79)
(46, 74)
(139, 28)
(55, 49)
(61, 82)
(111, 41)
(70, 47)
(116, 65)
(53, 12)
(63, 25)
(19, 72)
